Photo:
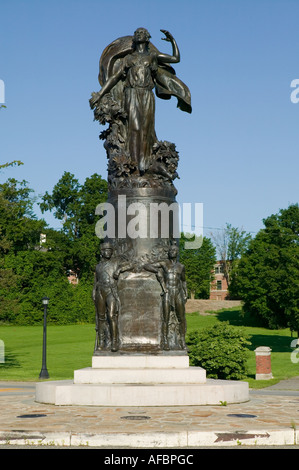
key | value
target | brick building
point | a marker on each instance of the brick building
(72, 277)
(219, 290)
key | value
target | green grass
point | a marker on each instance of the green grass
(68, 348)
(278, 340)
(71, 347)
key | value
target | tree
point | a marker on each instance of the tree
(64, 201)
(13, 163)
(230, 244)
(75, 205)
(29, 269)
(267, 276)
(9, 306)
(19, 227)
(198, 266)
(19, 232)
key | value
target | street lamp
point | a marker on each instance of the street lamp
(44, 374)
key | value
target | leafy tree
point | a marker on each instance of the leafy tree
(9, 306)
(15, 162)
(19, 232)
(19, 227)
(231, 243)
(267, 277)
(64, 201)
(37, 272)
(28, 269)
(198, 263)
(75, 204)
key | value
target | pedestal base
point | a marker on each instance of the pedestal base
(264, 376)
(213, 392)
(141, 380)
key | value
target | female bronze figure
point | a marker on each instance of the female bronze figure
(130, 68)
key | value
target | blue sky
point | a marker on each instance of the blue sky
(238, 149)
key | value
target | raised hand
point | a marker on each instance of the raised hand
(168, 35)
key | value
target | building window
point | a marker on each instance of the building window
(219, 285)
(219, 269)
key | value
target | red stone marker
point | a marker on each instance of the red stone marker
(263, 363)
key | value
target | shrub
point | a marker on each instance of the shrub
(221, 350)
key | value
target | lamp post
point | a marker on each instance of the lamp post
(44, 374)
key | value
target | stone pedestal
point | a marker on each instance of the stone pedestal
(263, 363)
(145, 225)
(164, 379)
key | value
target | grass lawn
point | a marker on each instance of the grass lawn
(71, 347)
(68, 348)
(278, 340)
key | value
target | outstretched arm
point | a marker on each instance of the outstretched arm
(111, 82)
(123, 268)
(166, 58)
(153, 267)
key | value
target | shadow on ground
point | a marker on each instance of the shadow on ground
(10, 361)
(278, 343)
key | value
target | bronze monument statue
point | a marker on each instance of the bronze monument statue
(133, 314)
(130, 68)
(140, 356)
(106, 299)
(171, 275)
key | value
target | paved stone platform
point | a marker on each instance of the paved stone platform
(269, 418)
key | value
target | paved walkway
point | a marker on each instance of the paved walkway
(270, 417)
